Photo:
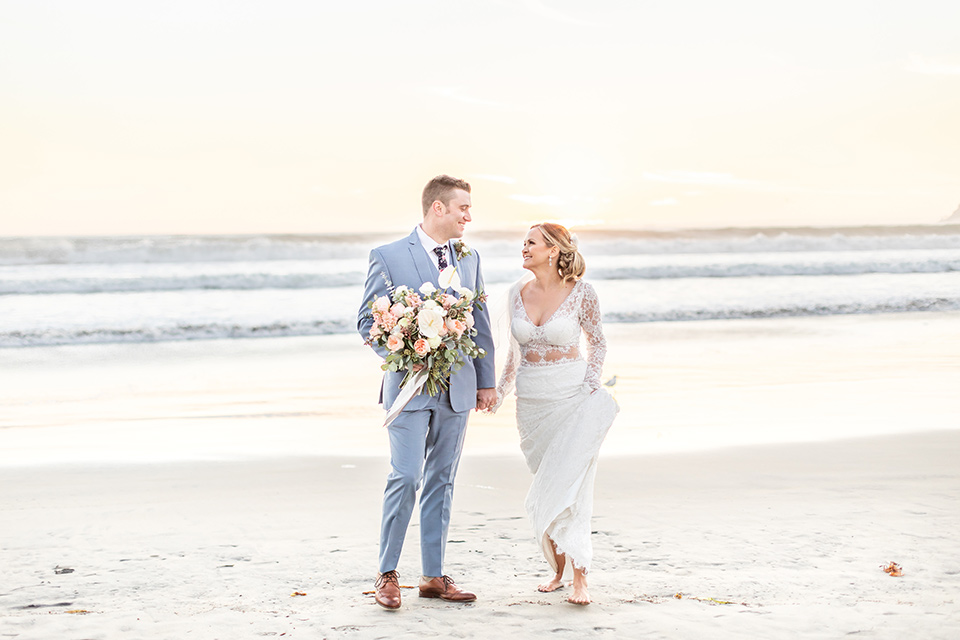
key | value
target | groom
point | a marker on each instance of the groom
(427, 437)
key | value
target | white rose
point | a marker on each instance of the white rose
(465, 292)
(427, 288)
(404, 322)
(449, 278)
(434, 342)
(429, 323)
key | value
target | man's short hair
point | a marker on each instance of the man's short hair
(441, 188)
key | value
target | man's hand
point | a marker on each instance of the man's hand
(486, 399)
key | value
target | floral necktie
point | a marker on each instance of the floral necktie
(441, 256)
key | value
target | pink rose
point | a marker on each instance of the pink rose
(448, 300)
(397, 309)
(382, 304)
(394, 342)
(375, 332)
(468, 318)
(421, 347)
(455, 326)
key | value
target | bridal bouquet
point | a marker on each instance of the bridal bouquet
(427, 334)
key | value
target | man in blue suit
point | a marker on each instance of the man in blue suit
(427, 437)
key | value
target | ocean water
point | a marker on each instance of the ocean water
(62, 290)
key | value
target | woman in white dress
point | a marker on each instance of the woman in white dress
(563, 413)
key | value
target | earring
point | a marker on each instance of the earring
(550, 261)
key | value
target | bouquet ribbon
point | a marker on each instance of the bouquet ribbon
(412, 388)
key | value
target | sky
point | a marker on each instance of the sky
(181, 117)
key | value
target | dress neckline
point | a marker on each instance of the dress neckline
(547, 321)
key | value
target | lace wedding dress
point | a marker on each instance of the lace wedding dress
(563, 415)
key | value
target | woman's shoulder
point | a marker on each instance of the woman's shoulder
(586, 288)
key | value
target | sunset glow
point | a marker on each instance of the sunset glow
(300, 117)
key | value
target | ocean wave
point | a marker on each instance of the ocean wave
(174, 249)
(83, 279)
(782, 242)
(223, 330)
(188, 249)
(237, 282)
(845, 265)
(208, 331)
(800, 310)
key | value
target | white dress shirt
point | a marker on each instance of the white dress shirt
(429, 244)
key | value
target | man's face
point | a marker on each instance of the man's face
(457, 213)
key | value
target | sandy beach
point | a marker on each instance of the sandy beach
(198, 200)
(758, 476)
(768, 541)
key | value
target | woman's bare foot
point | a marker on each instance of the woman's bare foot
(557, 582)
(579, 595)
(553, 585)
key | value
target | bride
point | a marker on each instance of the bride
(563, 413)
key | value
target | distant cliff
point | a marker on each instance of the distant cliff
(954, 217)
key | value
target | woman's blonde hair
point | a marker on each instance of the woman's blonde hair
(570, 263)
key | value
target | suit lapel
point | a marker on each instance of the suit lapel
(426, 270)
(453, 255)
(466, 269)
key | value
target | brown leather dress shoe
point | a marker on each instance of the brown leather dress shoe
(445, 589)
(387, 588)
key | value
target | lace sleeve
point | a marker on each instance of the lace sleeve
(592, 326)
(508, 376)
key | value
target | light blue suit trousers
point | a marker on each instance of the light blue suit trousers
(425, 448)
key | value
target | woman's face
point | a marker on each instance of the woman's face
(535, 250)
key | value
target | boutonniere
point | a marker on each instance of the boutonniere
(461, 248)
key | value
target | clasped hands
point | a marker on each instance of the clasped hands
(486, 398)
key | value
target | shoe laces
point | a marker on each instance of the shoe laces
(389, 576)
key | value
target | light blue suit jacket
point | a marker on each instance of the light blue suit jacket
(404, 262)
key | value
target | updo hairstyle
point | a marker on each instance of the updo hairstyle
(570, 263)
